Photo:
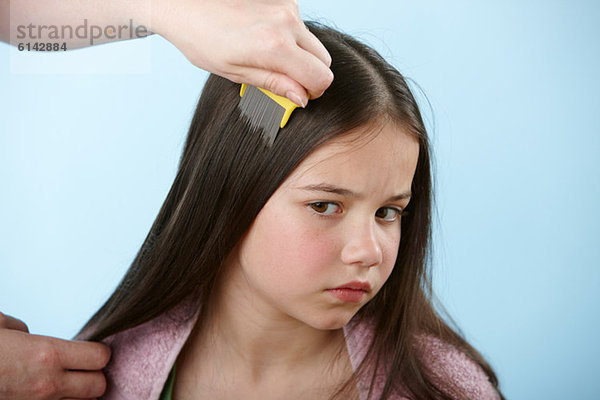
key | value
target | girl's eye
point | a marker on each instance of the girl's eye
(388, 214)
(324, 207)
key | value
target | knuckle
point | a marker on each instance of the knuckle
(323, 81)
(274, 42)
(44, 388)
(47, 356)
(286, 15)
(271, 82)
(293, 7)
(328, 61)
(327, 78)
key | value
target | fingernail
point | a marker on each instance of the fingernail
(293, 96)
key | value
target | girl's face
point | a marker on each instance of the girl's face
(326, 241)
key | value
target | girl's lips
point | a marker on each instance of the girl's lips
(351, 292)
(356, 285)
(348, 295)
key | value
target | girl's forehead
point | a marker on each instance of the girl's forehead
(387, 150)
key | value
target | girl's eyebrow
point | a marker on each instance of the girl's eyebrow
(325, 187)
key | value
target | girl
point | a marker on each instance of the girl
(297, 271)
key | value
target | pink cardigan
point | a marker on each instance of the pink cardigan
(143, 356)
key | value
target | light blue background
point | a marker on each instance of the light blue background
(87, 159)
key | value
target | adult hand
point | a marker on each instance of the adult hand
(34, 367)
(260, 42)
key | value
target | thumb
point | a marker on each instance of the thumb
(8, 322)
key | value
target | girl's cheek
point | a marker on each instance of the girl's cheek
(392, 244)
(390, 254)
(315, 249)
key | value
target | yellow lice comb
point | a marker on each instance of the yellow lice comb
(265, 110)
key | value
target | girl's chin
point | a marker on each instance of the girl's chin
(331, 323)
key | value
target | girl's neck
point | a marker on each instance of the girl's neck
(240, 336)
(241, 331)
(264, 341)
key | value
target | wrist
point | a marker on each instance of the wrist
(134, 13)
(158, 15)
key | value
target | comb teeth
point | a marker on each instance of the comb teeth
(262, 112)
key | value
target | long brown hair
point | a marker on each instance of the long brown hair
(227, 173)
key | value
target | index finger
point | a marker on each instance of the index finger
(80, 355)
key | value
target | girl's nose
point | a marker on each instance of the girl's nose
(362, 247)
